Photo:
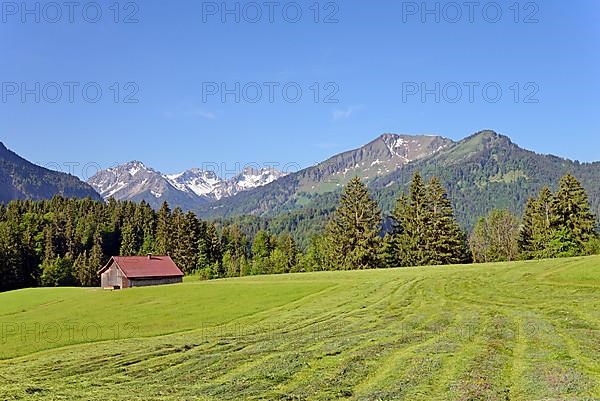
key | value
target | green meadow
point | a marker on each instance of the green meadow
(513, 331)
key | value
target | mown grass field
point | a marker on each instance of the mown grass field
(518, 331)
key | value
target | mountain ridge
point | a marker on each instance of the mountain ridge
(21, 179)
(188, 189)
(483, 171)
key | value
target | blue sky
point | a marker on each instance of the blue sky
(176, 56)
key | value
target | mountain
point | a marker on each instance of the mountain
(486, 171)
(188, 190)
(482, 172)
(385, 155)
(20, 179)
(136, 182)
(248, 179)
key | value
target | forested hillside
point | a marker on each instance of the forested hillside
(483, 172)
(20, 179)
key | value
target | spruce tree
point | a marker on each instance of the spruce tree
(95, 262)
(287, 245)
(412, 219)
(210, 258)
(186, 231)
(128, 241)
(571, 211)
(235, 258)
(163, 243)
(445, 239)
(353, 232)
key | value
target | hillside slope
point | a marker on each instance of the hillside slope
(20, 179)
(517, 331)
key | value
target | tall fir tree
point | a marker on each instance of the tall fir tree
(128, 240)
(164, 239)
(353, 232)
(287, 245)
(210, 256)
(411, 218)
(571, 211)
(447, 243)
(425, 231)
(186, 231)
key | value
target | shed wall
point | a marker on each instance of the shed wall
(113, 277)
(154, 281)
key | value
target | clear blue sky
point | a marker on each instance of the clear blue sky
(373, 50)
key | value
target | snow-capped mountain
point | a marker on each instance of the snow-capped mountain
(250, 178)
(208, 184)
(189, 189)
(197, 181)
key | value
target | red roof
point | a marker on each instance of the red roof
(144, 266)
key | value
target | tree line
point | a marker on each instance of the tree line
(64, 242)
(552, 226)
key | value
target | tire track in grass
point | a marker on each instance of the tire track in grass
(339, 361)
(551, 370)
(463, 345)
(517, 391)
(485, 378)
(580, 362)
(406, 368)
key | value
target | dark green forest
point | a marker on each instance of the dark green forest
(64, 242)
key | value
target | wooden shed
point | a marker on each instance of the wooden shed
(139, 271)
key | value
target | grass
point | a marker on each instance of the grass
(515, 331)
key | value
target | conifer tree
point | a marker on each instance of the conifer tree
(163, 244)
(353, 232)
(425, 231)
(95, 262)
(186, 232)
(235, 258)
(287, 245)
(571, 211)
(128, 241)
(411, 218)
(210, 256)
(536, 231)
(82, 268)
(445, 238)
